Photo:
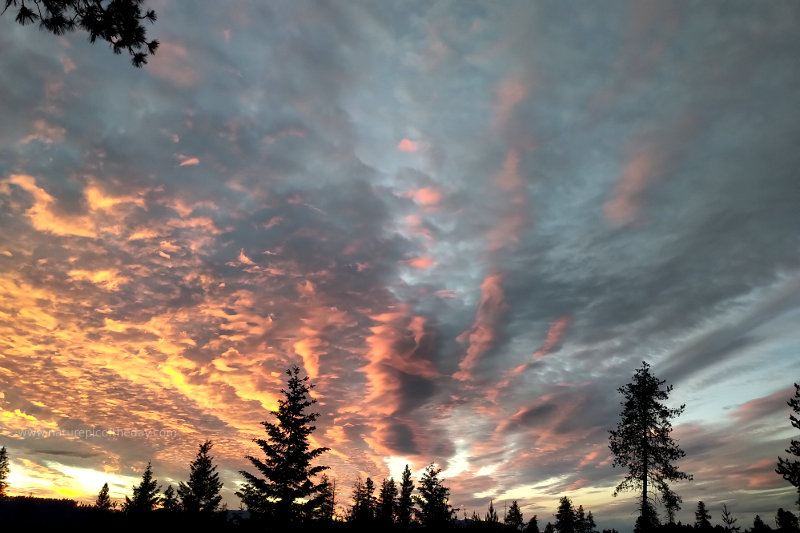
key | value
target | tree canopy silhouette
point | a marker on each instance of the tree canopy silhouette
(145, 494)
(702, 518)
(790, 468)
(491, 514)
(433, 500)
(103, 501)
(170, 501)
(565, 516)
(364, 502)
(286, 492)
(405, 502)
(4, 470)
(514, 518)
(387, 501)
(201, 493)
(119, 22)
(642, 442)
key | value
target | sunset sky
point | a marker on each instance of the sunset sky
(467, 222)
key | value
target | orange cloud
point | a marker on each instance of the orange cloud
(108, 279)
(407, 145)
(42, 214)
(99, 201)
(189, 162)
(390, 352)
(481, 336)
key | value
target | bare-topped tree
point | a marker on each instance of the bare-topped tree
(642, 443)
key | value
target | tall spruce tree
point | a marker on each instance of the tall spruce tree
(433, 500)
(364, 503)
(790, 468)
(327, 492)
(201, 493)
(145, 494)
(533, 525)
(4, 470)
(702, 517)
(565, 516)
(642, 442)
(591, 526)
(405, 502)
(170, 501)
(286, 492)
(491, 514)
(103, 501)
(387, 502)
(514, 518)
(580, 520)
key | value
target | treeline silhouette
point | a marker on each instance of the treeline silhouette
(285, 493)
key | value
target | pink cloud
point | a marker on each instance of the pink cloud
(419, 262)
(190, 162)
(480, 337)
(407, 145)
(427, 196)
(389, 354)
(646, 158)
(509, 93)
(757, 409)
(639, 170)
(554, 335)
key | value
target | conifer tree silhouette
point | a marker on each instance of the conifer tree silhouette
(642, 442)
(533, 525)
(729, 520)
(580, 520)
(672, 503)
(514, 518)
(327, 492)
(565, 516)
(590, 526)
(405, 502)
(364, 503)
(145, 494)
(170, 501)
(433, 500)
(387, 502)
(491, 514)
(759, 526)
(786, 520)
(201, 493)
(119, 22)
(790, 468)
(103, 501)
(702, 517)
(286, 492)
(4, 471)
